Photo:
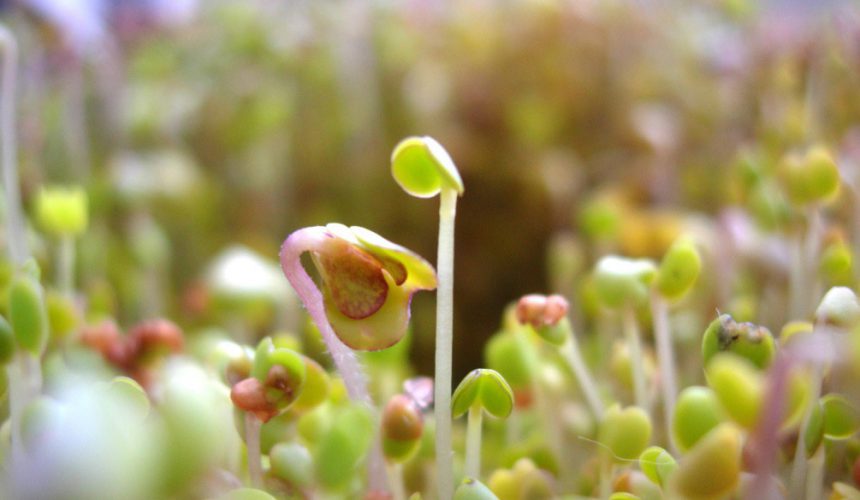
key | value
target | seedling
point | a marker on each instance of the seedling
(423, 168)
(483, 390)
(623, 284)
(62, 213)
(712, 468)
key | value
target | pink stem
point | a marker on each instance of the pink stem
(306, 240)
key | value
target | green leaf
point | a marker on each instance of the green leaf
(739, 387)
(7, 342)
(696, 413)
(841, 418)
(747, 340)
(342, 447)
(419, 274)
(62, 210)
(679, 269)
(712, 468)
(27, 313)
(246, 494)
(657, 464)
(422, 167)
(486, 389)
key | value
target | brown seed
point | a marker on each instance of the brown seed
(156, 334)
(250, 395)
(101, 337)
(541, 310)
(401, 419)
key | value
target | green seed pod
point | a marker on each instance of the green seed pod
(246, 494)
(472, 489)
(679, 269)
(626, 432)
(837, 264)
(810, 178)
(486, 389)
(402, 426)
(619, 281)
(657, 464)
(27, 313)
(342, 447)
(711, 469)
(841, 418)
(7, 342)
(422, 167)
(747, 340)
(696, 413)
(839, 307)
(62, 210)
(292, 463)
(739, 387)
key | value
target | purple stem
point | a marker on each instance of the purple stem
(765, 439)
(306, 240)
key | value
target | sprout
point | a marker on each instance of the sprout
(293, 463)
(423, 168)
(679, 269)
(62, 211)
(810, 177)
(738, 386)
(483, 390)
(839, 307)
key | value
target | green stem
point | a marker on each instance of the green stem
(444, 342)
(631, 332)
(15, 234)
(570, 352)
(666, 359)
(66, 265)
(252, 441)
(473, 443)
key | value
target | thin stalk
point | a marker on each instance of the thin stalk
(444, 342)
(15, 235)
(631, 332)
(473, 443)
(797, 278)
(606, 473)
(66, 265)
(344, 359)
(811, 248)
(252, 441)
(666, 359)
(815, 475)
(395, 475)
(799, 467)
(571, 354)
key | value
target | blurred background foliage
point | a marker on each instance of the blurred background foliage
(195, 126)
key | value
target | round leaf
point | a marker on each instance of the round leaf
(486, 389)
(626, 432)
(696, 413)
(422, 167)
(841, 418)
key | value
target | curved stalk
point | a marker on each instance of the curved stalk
(571, 354)
(631, 332)
(666, 360)
(305, 240)
(444, 342)
(473, 443)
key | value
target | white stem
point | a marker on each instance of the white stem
(444, 343)
(797, 279)
(395, 476)
(606, 473)
(473, 443)
(252, 441)
(631, 332)
(815, 475)
(15, 234)
(66, 265)
(798, 469)
(570, 351)
(811, 248)
(666, 359)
